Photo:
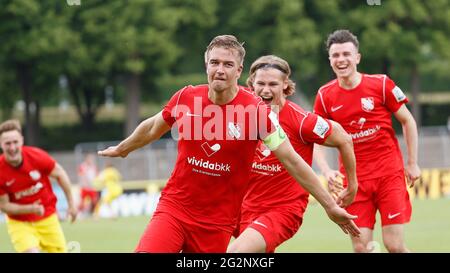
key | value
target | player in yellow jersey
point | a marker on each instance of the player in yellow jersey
(109, 182)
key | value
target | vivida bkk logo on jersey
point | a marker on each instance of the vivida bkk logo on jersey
(207, 164)
(358, 124)
(262, 151)
(276, 168)
(364, 135)
(367, 104)
(29, 191)
(209, 150)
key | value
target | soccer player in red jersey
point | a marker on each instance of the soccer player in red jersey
(363, 104)
(26, 195)
(87, 172)
(273, 207)
(219, 125)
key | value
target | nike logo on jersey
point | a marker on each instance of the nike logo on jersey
(392, 216)
(10, 182)
(192, 115)
(256, 222)
(335, 108)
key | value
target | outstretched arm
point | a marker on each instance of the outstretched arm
(306, 177)
(63, 180)
(411, 137)
(343, 142)
(147, 131)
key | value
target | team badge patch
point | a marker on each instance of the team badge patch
(234, 130)
(398, 94)
(367, 104)
(35, 175)
(321, 127)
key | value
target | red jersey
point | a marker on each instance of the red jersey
(365, 113)
(87, 173)
(215, 152)
(270, 183)
(29, 182)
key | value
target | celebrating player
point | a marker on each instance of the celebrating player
(26, 195)
(273, 207)
(219, 125)
(363, 104)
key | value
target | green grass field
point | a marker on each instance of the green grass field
(429, 231)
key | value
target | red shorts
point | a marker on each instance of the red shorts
(387, 194)
(276, 225)
(167, 234)
(92, 194)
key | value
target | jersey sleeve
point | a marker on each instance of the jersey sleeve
(394, 96)
(319, 105)
(169, 111)
(2, 190)
(46, 162)
(315, 129)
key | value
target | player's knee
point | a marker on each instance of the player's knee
(359, 247)
(395, 247)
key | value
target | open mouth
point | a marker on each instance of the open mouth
(342, 67)
(12, 155)
(267, 100)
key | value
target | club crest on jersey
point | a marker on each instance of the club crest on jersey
(367, 104)
(35, 175)
(234, 130)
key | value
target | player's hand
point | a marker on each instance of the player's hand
(111, 151)
(335, 185)
(72, 213)
(347, 196)
(38, 208)
(412, 172)
(344, 220)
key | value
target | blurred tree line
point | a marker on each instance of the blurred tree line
(147, 49)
